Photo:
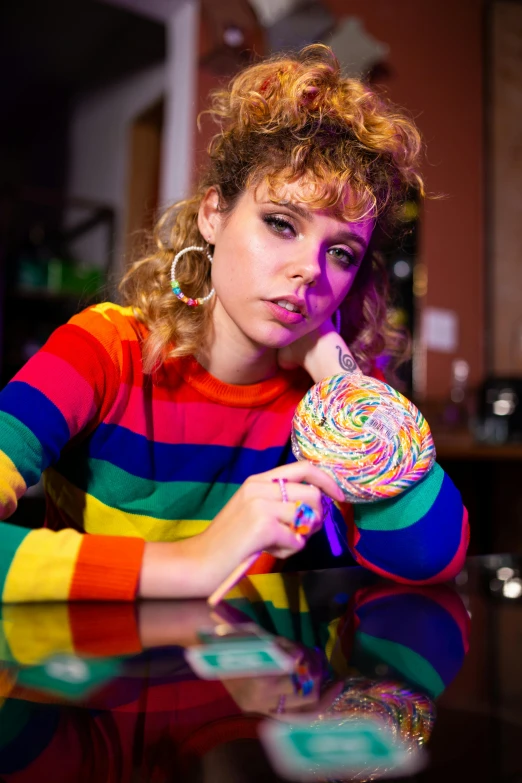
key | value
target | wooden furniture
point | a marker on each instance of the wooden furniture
(490, 481)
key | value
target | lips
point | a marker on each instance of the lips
(283, 315)
(291, 303)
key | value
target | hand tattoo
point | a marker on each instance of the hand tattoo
(346, 361)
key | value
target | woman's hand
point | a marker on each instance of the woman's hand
(295, 354)
(255, 519)
(321, 353)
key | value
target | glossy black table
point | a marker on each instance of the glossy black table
(105, 692)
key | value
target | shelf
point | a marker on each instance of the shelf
(37, 235)
(462, 446)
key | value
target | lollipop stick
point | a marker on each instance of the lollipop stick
(231, 580)
(239, 572)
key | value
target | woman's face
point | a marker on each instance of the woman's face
(279, 270)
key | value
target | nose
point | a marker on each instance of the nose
(305, 266)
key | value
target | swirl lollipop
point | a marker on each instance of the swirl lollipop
(372, 440)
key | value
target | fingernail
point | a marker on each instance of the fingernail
(340, 494)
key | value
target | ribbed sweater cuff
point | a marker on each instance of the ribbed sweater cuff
(107, 569)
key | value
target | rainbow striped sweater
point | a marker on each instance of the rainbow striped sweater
(128, 458)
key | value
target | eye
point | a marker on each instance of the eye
(343, 257)
(279, 225)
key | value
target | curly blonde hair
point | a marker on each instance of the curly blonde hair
(287, 118)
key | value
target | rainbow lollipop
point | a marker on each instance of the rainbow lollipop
(372, 440)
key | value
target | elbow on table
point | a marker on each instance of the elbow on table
(411, 556)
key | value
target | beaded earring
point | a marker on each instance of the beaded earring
(176, 290)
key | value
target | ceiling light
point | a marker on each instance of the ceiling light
(512, 588)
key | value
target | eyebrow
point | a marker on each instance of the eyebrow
(343, 235)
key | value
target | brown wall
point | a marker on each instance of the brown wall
(216, 65)
(436, 64)
(506, 245)
(435, 71)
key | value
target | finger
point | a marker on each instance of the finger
(286, 514)
(282, 541)
(294, 704)
(278, 686)
(320, 704)
(291, 648)
(296, 493)
(306, 471)
(285, 540)
(269, 687)
(283, 553)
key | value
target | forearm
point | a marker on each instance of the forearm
(172, 570)
(191, 568)
(420, 537)
(329, 356)
(43, 565)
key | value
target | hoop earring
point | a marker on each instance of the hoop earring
(176, 290)
(337, 321)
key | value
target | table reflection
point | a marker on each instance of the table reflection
(104, 692)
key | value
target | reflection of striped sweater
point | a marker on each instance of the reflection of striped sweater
(418, 634)
(129, 457)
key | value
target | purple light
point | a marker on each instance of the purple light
(331, 533)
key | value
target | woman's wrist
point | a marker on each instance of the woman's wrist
(329, 356)
(175, 569)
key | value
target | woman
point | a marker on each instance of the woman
(163, 426)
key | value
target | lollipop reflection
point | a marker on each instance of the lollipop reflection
(400, 717)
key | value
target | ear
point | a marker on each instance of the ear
(209, 216)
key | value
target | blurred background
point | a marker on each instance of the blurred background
(99, 103)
